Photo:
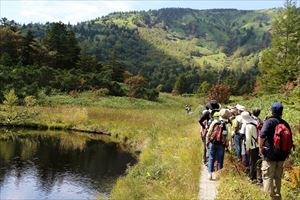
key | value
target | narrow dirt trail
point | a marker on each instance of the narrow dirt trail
(208, 188)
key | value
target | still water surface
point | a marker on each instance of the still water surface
(58, 166)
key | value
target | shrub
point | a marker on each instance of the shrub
(73, 93)
(102, 92)
(10, 98)
(152, 94)
(136, 86)
(203, 88)
(42, 98)
(220, 92)
(30, 100)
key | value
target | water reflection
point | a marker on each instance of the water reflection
(39, 166)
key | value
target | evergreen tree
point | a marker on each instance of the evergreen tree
(115, 68)
(10, 43)
(62, 46)
(27, 54)
(280, 63)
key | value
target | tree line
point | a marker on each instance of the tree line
(56, 63)
(102, 54)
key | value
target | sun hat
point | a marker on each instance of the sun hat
(214, 105)
(247, 118)
(224, 114)
(240, 107)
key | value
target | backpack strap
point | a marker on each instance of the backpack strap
(253, 138)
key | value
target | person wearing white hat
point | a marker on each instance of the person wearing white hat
(251, 141)
(217, 138)
(237, 127)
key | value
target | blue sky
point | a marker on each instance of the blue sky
(24, 11)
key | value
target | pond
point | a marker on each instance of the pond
(58, 165)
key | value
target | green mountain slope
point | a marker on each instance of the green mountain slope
(164, 44)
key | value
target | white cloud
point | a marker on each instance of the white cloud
(69, 11)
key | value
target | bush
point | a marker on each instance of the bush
(204, 88)
(73, 93)
(220, 92)
(115, 89)
(152, 94)
(42, 98)
(10, 98)
(102, 92)
(30, 100)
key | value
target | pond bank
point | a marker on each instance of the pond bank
(168, 139)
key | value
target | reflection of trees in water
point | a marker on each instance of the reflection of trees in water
(55, 160)
(74, 142)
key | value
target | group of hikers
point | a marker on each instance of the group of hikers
(261, 147)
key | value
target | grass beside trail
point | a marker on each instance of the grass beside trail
(234, 183)
(167, 137)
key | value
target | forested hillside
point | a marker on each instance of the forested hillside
(172, 49)
(202, 45)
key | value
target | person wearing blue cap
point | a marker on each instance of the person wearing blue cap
(274, 157)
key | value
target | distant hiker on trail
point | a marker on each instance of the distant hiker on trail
(217, 138)
(205, 120)
(251, 141)
(188, 108)
(275, 144)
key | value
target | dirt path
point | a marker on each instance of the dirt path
(208, 189)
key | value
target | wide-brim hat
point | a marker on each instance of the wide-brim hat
(247, 118)
(213, 105)
(225, 114)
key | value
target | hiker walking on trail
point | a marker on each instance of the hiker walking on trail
(259, 124)
(188, 108)
(251, 141)
(217, 139)
(205, 120)
(275, 144)
(237, 127)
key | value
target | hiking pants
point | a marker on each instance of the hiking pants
(216, 152)
(254, 156)
(272, 174)
(204, 150)
(237, 139)
(258, 170)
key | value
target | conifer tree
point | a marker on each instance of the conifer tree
(62, 46)
(27, 54)
(280, 63)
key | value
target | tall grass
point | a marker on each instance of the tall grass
(168, 139)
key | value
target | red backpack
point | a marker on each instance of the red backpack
(219, 133)
(283, 140)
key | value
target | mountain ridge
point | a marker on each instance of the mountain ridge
(166, 43)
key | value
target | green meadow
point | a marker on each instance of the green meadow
(168, 139)
(161, 135)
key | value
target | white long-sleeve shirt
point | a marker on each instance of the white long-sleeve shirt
(251, 136)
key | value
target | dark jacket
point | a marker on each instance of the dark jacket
(207, 116)
(267, 133)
